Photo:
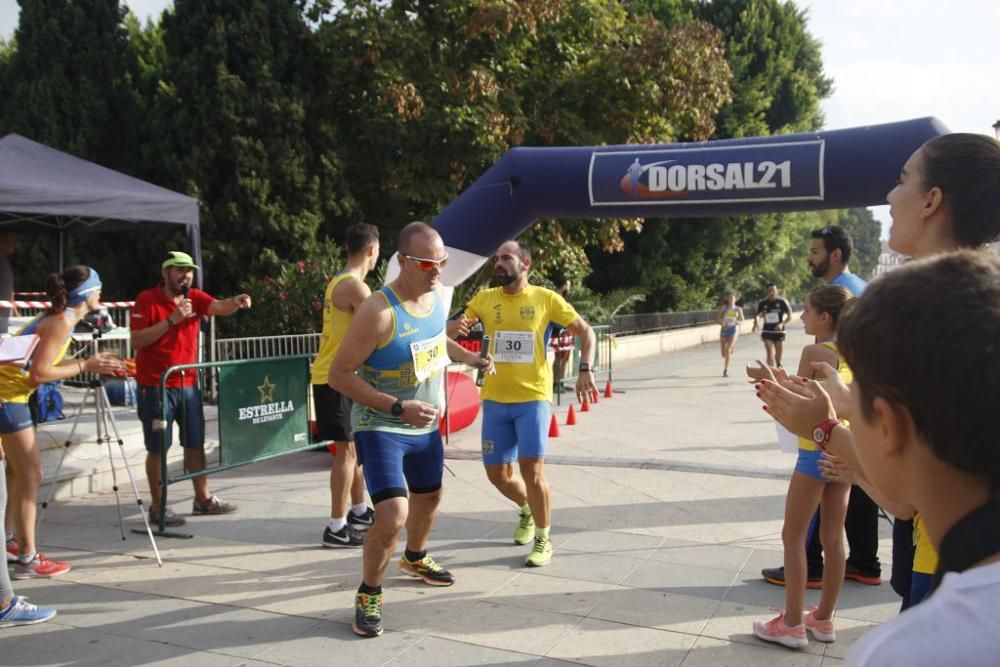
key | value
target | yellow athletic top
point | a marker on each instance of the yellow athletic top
(14, 387)
(844, 371)
(925, 558)
(519, 326)
(335, 323)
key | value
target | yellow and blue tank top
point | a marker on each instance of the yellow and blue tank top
(335, 324)
(925, 557)
(844, 371)
(409, 364)
(14, 386)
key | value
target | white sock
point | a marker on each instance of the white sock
(27, 558)
(338, 524)
(359, 509)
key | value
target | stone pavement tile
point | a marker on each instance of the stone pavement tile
(849, 631)
(734, 623)
(650, 608)
(565, 596)
(613, 542)
(684, 579)
(597, 568)
(336, 644)
(206, 627)
(509, 628)
(55, 644)
(709, 652)
(873, 604)
(446, 653)
(716, 556)
(831, 662)
(409, 604)
(605, 644)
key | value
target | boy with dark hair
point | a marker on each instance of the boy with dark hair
(924, 422)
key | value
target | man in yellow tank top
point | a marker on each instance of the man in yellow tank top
(519, 319)
(344, 293)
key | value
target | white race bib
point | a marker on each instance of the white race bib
(514, 347)
(729, 321)
(430, 357)
(772, 318)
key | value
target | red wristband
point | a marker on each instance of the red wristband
(821, 434)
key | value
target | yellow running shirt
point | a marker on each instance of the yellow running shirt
(925, 558)
(519, 326)
(335, 323)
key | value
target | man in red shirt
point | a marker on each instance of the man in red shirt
(165, 321)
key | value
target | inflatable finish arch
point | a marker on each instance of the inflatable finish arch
(792, 172)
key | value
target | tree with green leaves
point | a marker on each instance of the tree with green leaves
(431, 94)
(230, 127)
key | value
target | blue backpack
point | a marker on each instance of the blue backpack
(46, 403)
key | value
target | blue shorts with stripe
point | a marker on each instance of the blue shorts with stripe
(515, 431)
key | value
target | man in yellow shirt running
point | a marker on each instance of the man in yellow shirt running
(344, 293)
(519, 319)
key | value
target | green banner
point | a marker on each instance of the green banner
(263, 409)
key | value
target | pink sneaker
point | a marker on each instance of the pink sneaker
(38, 568)
(11, 551)
(777, 632)
(822, 631)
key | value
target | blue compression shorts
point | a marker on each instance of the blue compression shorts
(394, 462)
(515, 430)
(808, 463)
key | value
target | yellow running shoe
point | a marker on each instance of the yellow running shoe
(525, 531)
(540, 554)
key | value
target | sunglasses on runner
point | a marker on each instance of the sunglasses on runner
(428, 264)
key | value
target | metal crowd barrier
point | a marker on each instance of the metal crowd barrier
(263, 414)
(603, 359)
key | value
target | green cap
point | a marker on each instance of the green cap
(178, 259)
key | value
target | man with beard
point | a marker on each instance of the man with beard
(392, 365)
(829, 253)
(519, 319)
(165, 321)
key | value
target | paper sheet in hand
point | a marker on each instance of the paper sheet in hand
(788, 442)
(16, 350)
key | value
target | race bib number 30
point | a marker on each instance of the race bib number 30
(514, 347)
(430, 357)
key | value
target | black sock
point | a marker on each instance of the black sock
(414, 556)
(370, 590)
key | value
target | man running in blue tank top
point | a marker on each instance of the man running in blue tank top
(391, 364)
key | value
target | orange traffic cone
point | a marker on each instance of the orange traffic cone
(585, 407)
(570, 416)
(593, 396)
(554, 427)
(607, 389)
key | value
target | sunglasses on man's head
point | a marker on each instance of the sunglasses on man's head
(428, 264)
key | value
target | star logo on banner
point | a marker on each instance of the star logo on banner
(266, 391)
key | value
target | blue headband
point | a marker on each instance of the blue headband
(83, 291)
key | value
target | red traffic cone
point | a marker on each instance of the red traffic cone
(554, 427)
(593, 396)
(607, 389)
(585, 407)
(570, 416)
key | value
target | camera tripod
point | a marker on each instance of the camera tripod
(106, 425)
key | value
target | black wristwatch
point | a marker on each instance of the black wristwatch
(584, 367)
(397, 408)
